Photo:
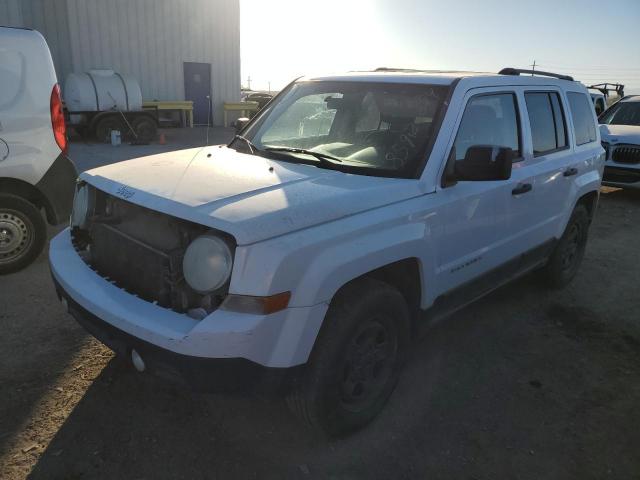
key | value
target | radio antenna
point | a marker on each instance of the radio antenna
(208, 116)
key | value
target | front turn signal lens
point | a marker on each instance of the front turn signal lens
(256, 305)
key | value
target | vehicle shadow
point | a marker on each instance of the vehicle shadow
(37, 344)
(621, 194)
(496, 391)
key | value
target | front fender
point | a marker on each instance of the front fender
(313, 264)
(341, 263)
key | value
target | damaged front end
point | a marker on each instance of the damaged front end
(140, 250)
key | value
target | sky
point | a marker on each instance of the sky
(594, 41)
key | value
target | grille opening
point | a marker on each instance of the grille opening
(140, 251)
(626, 154)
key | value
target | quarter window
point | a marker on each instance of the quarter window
(582, 115)
(548, 129)
(489, 120)
(560, 121)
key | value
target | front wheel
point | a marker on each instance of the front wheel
(567, 256)
(22, 233)
(357, 358)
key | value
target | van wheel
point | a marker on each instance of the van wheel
(22, 233)
(356, 361)
(567, 256)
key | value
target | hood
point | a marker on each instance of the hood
(249, 197)
(620, 134)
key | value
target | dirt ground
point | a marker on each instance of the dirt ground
(525, 384)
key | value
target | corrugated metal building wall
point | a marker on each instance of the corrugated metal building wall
(49, 17)
(149, 39)
(11, 13)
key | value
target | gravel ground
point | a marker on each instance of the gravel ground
(526, 383)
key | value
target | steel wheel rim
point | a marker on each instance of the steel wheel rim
(16, 236)
(368, 366)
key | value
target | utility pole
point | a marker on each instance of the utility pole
(534, 67)
(269, 87)
(249, 82)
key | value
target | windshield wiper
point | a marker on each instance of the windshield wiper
(325, 159)
(252, 148)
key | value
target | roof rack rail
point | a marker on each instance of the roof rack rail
(392, 69)
(518, 71)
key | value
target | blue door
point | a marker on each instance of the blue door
(197, 88)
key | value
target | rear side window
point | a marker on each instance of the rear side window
(548, 127)
(489, 120)
(582, 115)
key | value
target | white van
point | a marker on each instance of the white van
(35, 174)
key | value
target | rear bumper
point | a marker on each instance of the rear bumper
(58, 186)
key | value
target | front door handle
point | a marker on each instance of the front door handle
(522, 188)
(569, 172)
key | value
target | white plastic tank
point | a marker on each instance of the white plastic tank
(100, 90)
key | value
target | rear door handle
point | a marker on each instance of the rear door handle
(521, 188)
(569, 172)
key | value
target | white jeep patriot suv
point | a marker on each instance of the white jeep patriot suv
(349, 210)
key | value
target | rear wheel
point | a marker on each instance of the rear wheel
(22, 233)
(357, 358)
(105, 125)
(567, 256)
(145, 128)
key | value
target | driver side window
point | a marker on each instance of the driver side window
(489, 119)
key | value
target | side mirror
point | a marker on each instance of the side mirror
(240, 123)
(485, 162)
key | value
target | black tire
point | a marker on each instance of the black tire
(23, 233)
(82, 131)
(145, 128)
(567, 256)
(356, 361)
(106, 124)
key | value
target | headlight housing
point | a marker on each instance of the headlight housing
(81, 204)
(207, 263)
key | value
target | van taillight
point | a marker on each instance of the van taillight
(57, 119)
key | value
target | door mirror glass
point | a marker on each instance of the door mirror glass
(240, 123)
(485, 162)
